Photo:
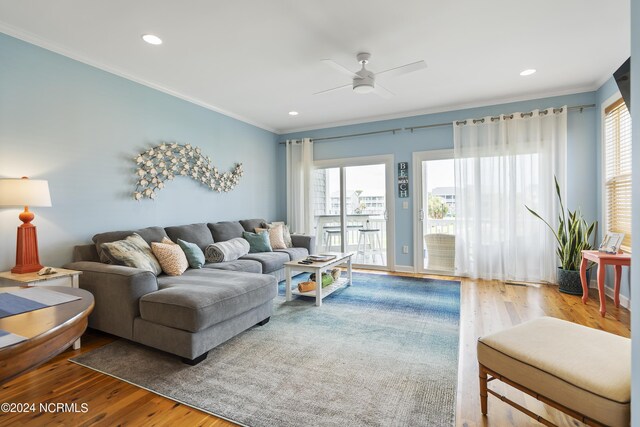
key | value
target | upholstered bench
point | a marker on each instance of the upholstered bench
(583, 372)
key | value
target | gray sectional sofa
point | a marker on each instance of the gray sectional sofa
(190, 314)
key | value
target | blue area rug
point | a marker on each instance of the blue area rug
(382, 352)
(438, 299)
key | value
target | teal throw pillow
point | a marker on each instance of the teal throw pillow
(194, 254)
(258, 242)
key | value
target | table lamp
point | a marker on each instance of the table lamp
(25, 192)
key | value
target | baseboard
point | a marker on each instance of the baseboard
(404, 269)
(624, 301)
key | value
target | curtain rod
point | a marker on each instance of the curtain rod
(412, 128)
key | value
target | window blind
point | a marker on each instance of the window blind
(617, 125)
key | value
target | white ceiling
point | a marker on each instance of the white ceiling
(258, 59)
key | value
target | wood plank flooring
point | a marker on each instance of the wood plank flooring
(486, 306)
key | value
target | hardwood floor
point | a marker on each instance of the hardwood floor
(486, 306)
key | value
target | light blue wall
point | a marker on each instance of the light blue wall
(581, 151)
(605, 92)
(635, 230)
(80, 127)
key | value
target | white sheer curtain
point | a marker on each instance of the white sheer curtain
(299, 167)
(502, 165)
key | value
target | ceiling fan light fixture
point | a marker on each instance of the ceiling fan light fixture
(363, 87)
(364, 81)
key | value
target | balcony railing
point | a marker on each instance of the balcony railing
(440, 226)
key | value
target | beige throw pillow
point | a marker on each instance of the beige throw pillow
(276, 236)
(171, 257)
(285, 231)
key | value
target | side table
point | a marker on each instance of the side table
(62, 277)
(603, 259)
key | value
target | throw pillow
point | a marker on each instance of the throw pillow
(286, 233)
(194, 254)
(258, 242)
(276, 237)
(134, 252)
(171, 257)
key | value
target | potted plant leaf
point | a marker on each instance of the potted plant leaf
(572, 237)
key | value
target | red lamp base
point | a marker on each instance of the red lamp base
(27, 260)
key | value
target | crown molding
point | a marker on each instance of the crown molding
(56, 48)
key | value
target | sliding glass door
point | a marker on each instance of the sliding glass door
(327, 209)
(366, 206)
(350, 208)
(435, 212)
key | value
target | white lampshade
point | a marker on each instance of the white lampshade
(24, 192)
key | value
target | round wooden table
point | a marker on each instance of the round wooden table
(49, 331)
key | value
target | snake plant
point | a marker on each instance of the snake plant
(572, 235)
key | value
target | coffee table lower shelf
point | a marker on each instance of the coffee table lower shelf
(318, 268)
(326, 291)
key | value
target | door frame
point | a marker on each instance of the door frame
(388, 161)
(418, 242)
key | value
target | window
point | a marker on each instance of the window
(617, 168)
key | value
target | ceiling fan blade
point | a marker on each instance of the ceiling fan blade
(383, 92)
(338, 67)
(335, 88)
(404, 69)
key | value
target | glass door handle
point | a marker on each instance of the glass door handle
(421, 214)
(386, 215)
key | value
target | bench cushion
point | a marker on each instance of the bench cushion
(584, 369)
(199, 299)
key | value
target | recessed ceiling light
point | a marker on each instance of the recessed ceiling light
(527, 72)
(151, 39)
(293, 113)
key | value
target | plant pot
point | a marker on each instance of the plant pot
(569, 281)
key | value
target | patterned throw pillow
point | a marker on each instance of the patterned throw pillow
(194, 254)
(171, 256)
(286, 233)
(134, 252)
(276, 236)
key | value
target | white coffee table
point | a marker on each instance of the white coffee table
(319, 268)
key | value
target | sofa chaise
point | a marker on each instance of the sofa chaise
(190, 314)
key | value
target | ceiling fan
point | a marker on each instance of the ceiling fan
(364, 81)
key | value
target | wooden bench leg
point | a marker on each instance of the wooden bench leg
(483, 389)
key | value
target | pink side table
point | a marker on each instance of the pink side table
(603, 259)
